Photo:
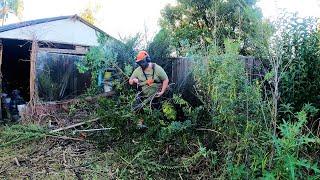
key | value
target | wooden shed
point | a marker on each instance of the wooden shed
(39, 57)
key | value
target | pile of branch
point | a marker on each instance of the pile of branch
(80, 124)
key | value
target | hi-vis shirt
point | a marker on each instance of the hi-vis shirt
(158, 76)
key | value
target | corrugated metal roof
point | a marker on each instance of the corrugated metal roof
(45, 20)
(29, 23)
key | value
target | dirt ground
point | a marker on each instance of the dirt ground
(48, 158)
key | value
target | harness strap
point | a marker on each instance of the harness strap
(153, 70)
(150, 81)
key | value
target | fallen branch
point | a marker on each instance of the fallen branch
(16, 161)
(203, 129)
(91, 130)
(74, 125)
(65, 138)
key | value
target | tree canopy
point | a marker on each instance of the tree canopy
(205, 22)
(89, 13)
(10, 6)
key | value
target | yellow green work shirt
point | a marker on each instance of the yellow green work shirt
(159, 76)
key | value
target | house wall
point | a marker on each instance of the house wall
(68, 31)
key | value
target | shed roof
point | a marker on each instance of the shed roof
(45, 20)
(62, 29)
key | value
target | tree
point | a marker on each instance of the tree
(10, 6)
(300, 83)
(207, 22)
(110, 53)
(89, 12)
(159, 48)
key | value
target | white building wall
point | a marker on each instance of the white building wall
(67, 31)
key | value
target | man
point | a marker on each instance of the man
(151, 77)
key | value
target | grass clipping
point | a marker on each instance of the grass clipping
(15, 134)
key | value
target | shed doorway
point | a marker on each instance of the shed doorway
(15, 67)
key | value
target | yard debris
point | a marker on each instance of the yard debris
(92, 130)
(16, 161)
(66, 138)
(74, 125)
(49, 157)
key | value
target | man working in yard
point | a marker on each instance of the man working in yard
(151, 77)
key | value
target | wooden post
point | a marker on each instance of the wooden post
(33, 59)
(1, 49)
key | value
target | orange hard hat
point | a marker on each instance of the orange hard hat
(141, 55)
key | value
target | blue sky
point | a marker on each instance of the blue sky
(127, 17)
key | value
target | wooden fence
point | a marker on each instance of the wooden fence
(179, 70)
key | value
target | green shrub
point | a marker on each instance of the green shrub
(289, 162)
(175, 128)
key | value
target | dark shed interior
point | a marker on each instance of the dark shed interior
(15, 67)
(57, 76)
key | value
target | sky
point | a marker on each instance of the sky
(271, 8)
(124, 18)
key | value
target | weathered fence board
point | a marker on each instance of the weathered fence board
(180, 70)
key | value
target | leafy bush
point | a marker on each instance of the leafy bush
(110, 53)
(288, 163)
(170, 131)
(300, 52)
(169, 111)
(160, 48)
